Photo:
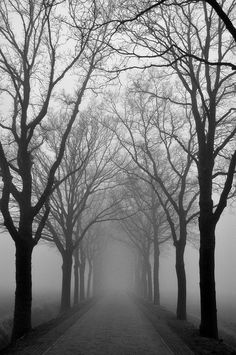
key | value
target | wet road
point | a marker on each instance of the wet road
(113, 326)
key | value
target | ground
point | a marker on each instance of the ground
(189, 333)
(117, 325)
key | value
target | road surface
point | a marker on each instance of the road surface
(114, 326)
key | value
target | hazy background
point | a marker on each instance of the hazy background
(117, 273)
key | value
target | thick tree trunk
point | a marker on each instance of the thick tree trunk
(156, 284)
(66, 281)
(181, 281)
(149, 280)
(76, 278)
(208, 326)
(23, 293)
(207, 224)
(90, 273)
(81, 277)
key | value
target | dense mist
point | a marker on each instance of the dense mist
(117, 271)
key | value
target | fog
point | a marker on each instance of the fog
(117, 268)
(117, 271)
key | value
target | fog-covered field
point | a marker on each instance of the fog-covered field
(45, 307)
(226, 312)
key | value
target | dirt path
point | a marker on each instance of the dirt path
(113, 326)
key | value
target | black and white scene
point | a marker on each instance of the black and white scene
(117, 177)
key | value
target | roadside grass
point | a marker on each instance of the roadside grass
(188, 332)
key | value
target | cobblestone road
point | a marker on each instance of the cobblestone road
(113, 326)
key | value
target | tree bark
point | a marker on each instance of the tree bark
(156, 263)
(97, 276)
(207, 224)
(149, 280)
(76, 278)
(156, 256)
(81, 277)
(90, 272)
(208, 326)
(181, 281)
(138, 276)
(144, 279)
(23, 293)
(66, 281)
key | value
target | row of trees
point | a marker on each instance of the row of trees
(186, 41)
(39, 82)
(80, 196)
(165, 130)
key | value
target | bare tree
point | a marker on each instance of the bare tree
(91, 247)
(130, 19)
(198, 42)
(143, 134)
(33, 36)
(137, 233)
(79, 200)
(82, 265)
(210, 92)
(147, 204)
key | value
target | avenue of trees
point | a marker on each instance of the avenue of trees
(38, 82)
(80, 196)
(155, 157)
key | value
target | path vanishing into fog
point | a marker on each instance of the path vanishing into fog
(114, 325)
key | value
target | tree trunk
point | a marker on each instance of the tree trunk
(139, 279)
(208, 326)
(144, 279)
(207, 224)
(23, 293)
(76, 278)
(149, 280)
(81, 277)
(137, 282)
(181, 281)
(90, 272)
(156, 284)
(96, 276)
(66, 281)
(156, 256)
